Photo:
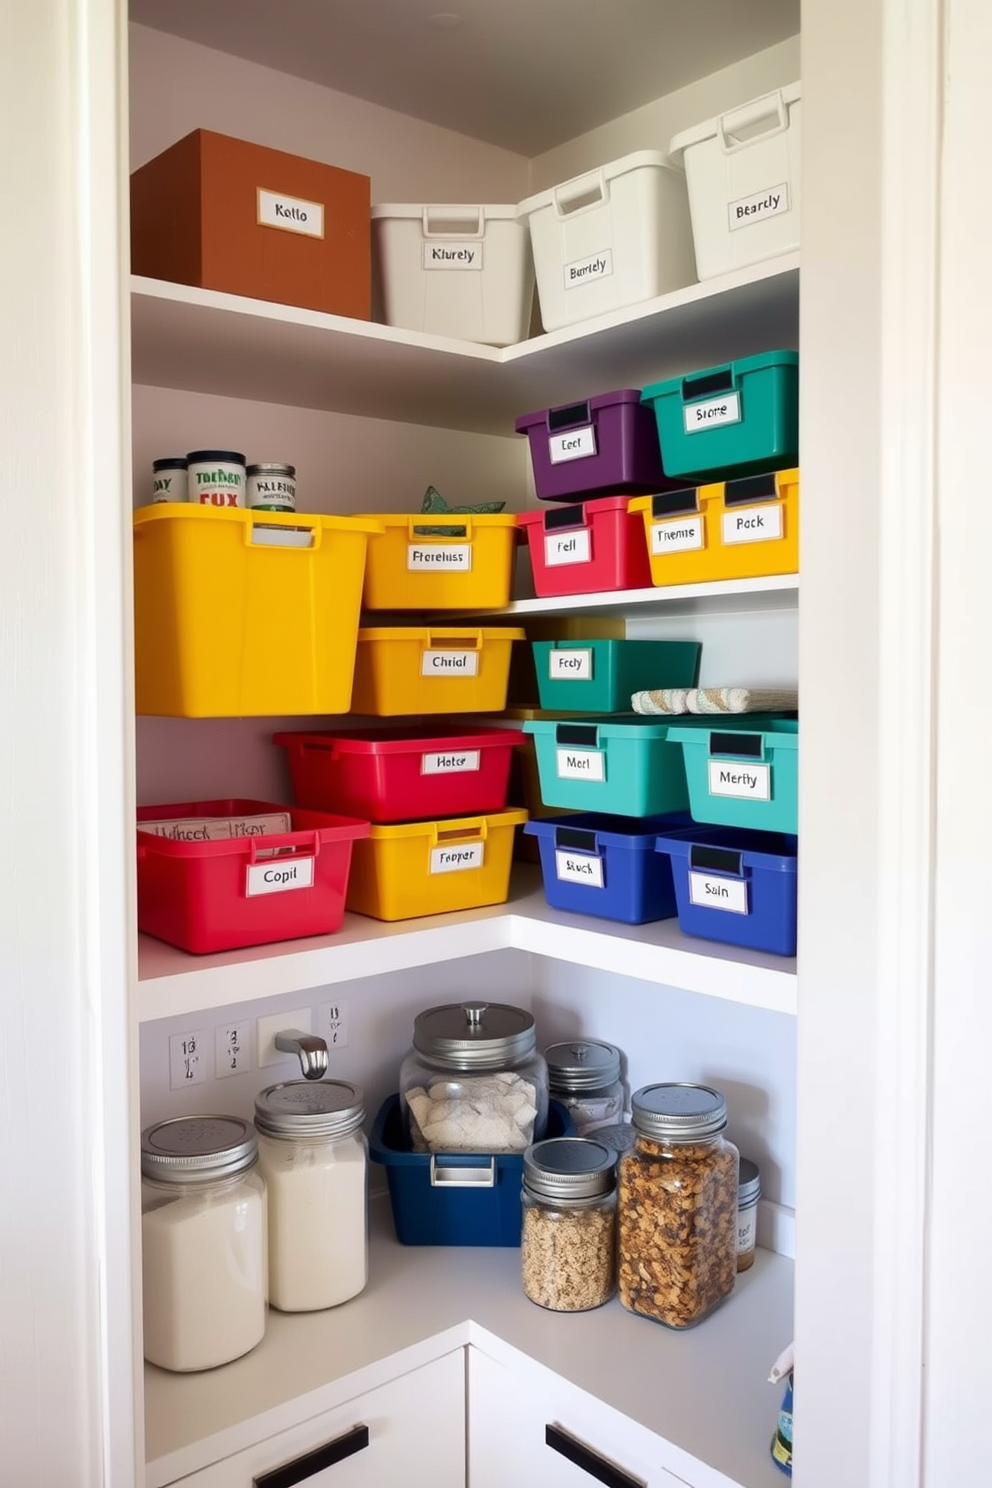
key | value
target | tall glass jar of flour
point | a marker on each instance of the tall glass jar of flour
(314, 1157)
(203, 1241)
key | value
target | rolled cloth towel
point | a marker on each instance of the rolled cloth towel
(716, 700)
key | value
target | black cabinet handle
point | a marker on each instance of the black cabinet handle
(313, 1462)
(591, 1462)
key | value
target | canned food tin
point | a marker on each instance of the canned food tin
(216, 477)
(271, 488)
(169, 479)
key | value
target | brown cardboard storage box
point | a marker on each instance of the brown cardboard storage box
(222, 213)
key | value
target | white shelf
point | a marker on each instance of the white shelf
(725, 597)
(422, 1301)
(209, 342)
(172, 982)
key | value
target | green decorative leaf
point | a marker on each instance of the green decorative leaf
(434, 505)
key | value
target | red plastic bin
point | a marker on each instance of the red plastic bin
(587, 549)
(217, 896)
(407, 774)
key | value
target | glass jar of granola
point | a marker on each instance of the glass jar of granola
(567, 1243)
(677, 1205)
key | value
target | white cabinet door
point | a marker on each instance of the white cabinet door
(411, 1431)
(537, 1429)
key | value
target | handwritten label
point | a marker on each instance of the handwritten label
(455, 762)
(708, 890)
(290, 213)
(747, 210)
(743, 780)
(449, 663)
(452, 255)
(278, 875)
(439, 557)
(715, 411)
(457, 858)
(582, 270)
(570, 666)
(576, 444)
(744, 524)
(676, 535)
(579, 868)
(568, 547)
(580, 764)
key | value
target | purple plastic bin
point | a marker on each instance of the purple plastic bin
(604, 446)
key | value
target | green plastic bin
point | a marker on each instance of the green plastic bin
(741, 418)
(623, 766)
(742, 771)
(600, 676)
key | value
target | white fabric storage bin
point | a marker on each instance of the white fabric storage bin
(462, 271)
(742, 171)
(609, 238)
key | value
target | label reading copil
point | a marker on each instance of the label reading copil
(771, 202)
(454, 762)
(278, 875)
(676, 535)
(580, 764)
(570, 666)
(744, 524)
(712, 892)
(452, 255)
(457, 858)
(574, 444)
(583, 270)
(579, 868)
(290, 213)
(715, 411)
(449, 663)
(743, 781)
(568, 547)
(439, 557)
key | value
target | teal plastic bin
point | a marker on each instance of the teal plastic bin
(600, 676)
(742, 771)
(741, 418)
(622, 766)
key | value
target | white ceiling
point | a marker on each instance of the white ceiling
(524, 74)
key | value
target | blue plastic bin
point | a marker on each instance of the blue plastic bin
(735, 887)
(624, 765)
(607, 866)
(457, 1198)
(742, 771)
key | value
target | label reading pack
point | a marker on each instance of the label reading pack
(454, 762)
(580, 764)
(279, 875)
(742, 779)
(748, 209)
(596, 266)
(568, 547)
(449, 663)
(439, 557)
(718, 893)
(576, 444)
(290, 213)
(570, 666)
(714, 411)
(753, 523)
(676, 535)
(457, 858)
(580, 868)
(452, 255)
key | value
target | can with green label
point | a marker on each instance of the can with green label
(271, 488)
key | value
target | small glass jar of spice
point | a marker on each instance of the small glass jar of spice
(568, 1236)
(677, 1205)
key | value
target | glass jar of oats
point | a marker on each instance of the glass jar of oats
(677, 1205)
(568, 1238)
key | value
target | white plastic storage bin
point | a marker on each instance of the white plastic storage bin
(462, 271)
(742, 171)
(613, 237)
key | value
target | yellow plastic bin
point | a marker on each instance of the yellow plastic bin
(242, 613)
(428, 868)
(737, 529)
(451, 562)
(451, 669)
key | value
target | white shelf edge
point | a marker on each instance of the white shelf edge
(724, 596)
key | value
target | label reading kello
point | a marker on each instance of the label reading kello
(452, 255)
(290, 213)
(457, 857)
(439, 557)
(715, 411)
(676, 535)
(279, 875)
(718, 893)
(771, 202)
(454, 762)
(575, 444)
(570, 666)
(743, 781)
(582, 270)
(568, 547)
(745, 524)
(580, 764)
(580, 868)
(449, 663)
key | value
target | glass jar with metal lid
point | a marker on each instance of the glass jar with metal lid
(677, 1205)
(203, 1241)
(314, 1158)
(474, 1080)
(748, 1194)
(568, 1234)
(585, 1077)
(271, 488)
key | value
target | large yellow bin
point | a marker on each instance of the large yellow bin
(737, 529)
(241, 613)
(447, 669)
(451, 562)
(426, 868)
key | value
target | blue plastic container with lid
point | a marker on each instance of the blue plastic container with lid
(742, 770)
(735, 887)
(607, 866)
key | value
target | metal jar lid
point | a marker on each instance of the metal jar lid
(749, 1182)
(474, 1035)
(569, 1168)
(270, 469)
(226, 457)
(197, 1149)
(582, 1065)
(309, 1108)
(678, 1112)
